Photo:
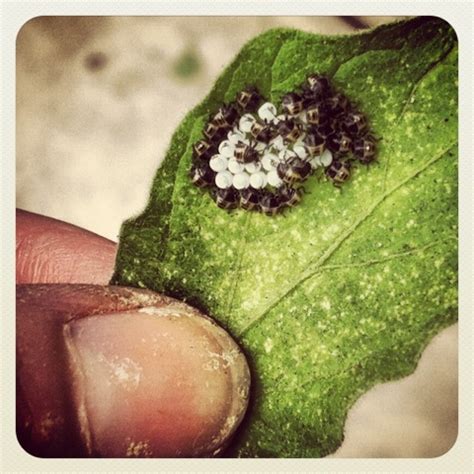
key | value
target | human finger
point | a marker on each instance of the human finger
(109, 371)
(52, 251)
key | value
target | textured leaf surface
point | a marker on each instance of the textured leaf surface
(346, 289)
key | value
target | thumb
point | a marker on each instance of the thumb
(115, 372)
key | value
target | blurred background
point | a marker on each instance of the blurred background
(97, 101)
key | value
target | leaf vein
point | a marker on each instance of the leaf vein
(387, 258)
(238, 266)
(408, 102)
(310, 272)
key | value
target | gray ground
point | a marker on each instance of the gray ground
(98, 99)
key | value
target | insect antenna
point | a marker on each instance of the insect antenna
(374, 137)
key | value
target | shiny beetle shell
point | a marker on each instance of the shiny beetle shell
(365, 149)
(261, 132)
(292, 103)
(355, 123)
(270, 204)
(338, 172)
(203, 150)
(316, 114)
(226, 198)
(337, 104)
(250, 199)
(289, 130)
(202, 175)
(327, 129)
(293, 170)
(340, 143)
(289, 197)
(248, 99)
(318, 85)
(245, 153)
(214, 133)
(226, 116)
(315, 143)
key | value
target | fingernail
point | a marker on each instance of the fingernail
(155, 382)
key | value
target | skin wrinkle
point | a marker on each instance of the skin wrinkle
(51, 251)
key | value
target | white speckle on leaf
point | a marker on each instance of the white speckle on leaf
(268, 345)
(326, 304)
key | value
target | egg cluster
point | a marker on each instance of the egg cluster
(255, 155)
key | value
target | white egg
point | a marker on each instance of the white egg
(274, 179)
(285, 154)
(326, 158)
(267, 111)
(277, 143)
(241, 180)
(218, 163)
(300, 150)
(223, 180)
(315, 162)
(234, 166)
(235, 135)
(226, 149)
(253, 167)
(246, 122)
(260, 146)
(269, 161)
(258, 180)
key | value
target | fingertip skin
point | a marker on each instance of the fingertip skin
(118, 372)
(52, 251)
(47, 425)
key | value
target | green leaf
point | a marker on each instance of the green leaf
(346, 289)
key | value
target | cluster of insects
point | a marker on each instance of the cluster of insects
(256, 156)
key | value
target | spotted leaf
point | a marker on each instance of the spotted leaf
(346, 289)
